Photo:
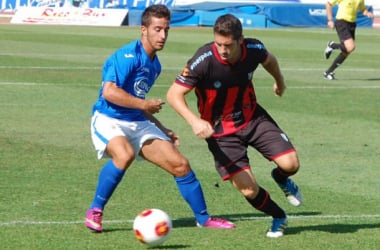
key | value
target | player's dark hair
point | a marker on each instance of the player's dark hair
(156, 10)
(227, 25)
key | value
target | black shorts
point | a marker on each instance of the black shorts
(345, 30)
(261, 133)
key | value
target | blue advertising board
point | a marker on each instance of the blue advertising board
(260, 13)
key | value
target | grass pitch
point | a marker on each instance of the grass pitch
(50, 78)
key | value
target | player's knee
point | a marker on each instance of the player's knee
(292, 166)
(348, 47)
(249, 193)
(289, 163)
(123, 160)
(181, 167)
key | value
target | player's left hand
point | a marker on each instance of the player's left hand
(173, 136)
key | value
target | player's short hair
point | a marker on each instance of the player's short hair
(156, 10)
(227, 25)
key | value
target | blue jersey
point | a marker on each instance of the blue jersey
(133, 71)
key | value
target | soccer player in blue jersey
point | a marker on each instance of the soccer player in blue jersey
(230, 119)
(123, 126)
(345, 25)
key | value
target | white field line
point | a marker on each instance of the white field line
(167, 68)
(23, 84)
(237, 218)
(50, 68)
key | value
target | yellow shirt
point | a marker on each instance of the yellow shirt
(348, 9)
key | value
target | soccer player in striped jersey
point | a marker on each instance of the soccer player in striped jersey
(123, 126)
(220, 73)
(345, 25)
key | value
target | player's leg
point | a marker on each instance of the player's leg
(287, 165)
(232, 163)
(259, 198)
(346, 33)
(329, 73)
(165, 155)
(109, 142)
(267, 137)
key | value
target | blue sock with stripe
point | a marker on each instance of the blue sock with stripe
(109, 177)
(191, 191)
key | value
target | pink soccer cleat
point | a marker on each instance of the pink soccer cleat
(94, 219)
(217, 223)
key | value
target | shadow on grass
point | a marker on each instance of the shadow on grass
(337, 228)
(190, 222)
(361, 79)
(330, 228)
(170, 247)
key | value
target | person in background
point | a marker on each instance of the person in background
(345, 25)
(123, 126)
(230, 119)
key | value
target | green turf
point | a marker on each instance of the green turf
(48, 169)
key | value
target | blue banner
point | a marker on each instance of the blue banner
(130, 4)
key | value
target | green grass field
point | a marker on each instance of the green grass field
(49, 79)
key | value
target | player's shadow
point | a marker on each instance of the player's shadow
(337, 228)
(330, 228)
(190, 222)
(170, 247)
(361, 79)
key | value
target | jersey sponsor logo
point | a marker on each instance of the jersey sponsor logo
(200, 59)
(129, 56)
(228, 117)
(255, 46)
(141, 87)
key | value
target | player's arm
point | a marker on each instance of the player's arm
(272, 67)
(116, 95)
(330, 20)
(367, 13)
(176, 99)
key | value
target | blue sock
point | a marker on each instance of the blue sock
(109, 177)
(191, 191)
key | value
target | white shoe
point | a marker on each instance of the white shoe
(292, 192)
(329, 50)
(277, 228)
(329, 76)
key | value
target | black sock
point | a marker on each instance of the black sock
(279, 176)
(265, 204)
(337, 62)
(337, 46)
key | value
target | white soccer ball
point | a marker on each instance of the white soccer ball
(152, 227)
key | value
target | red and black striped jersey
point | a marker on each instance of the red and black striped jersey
(225, 92)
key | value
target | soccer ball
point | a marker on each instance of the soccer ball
(152, 227)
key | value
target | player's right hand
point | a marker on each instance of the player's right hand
(153, 106)
(202, 129)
